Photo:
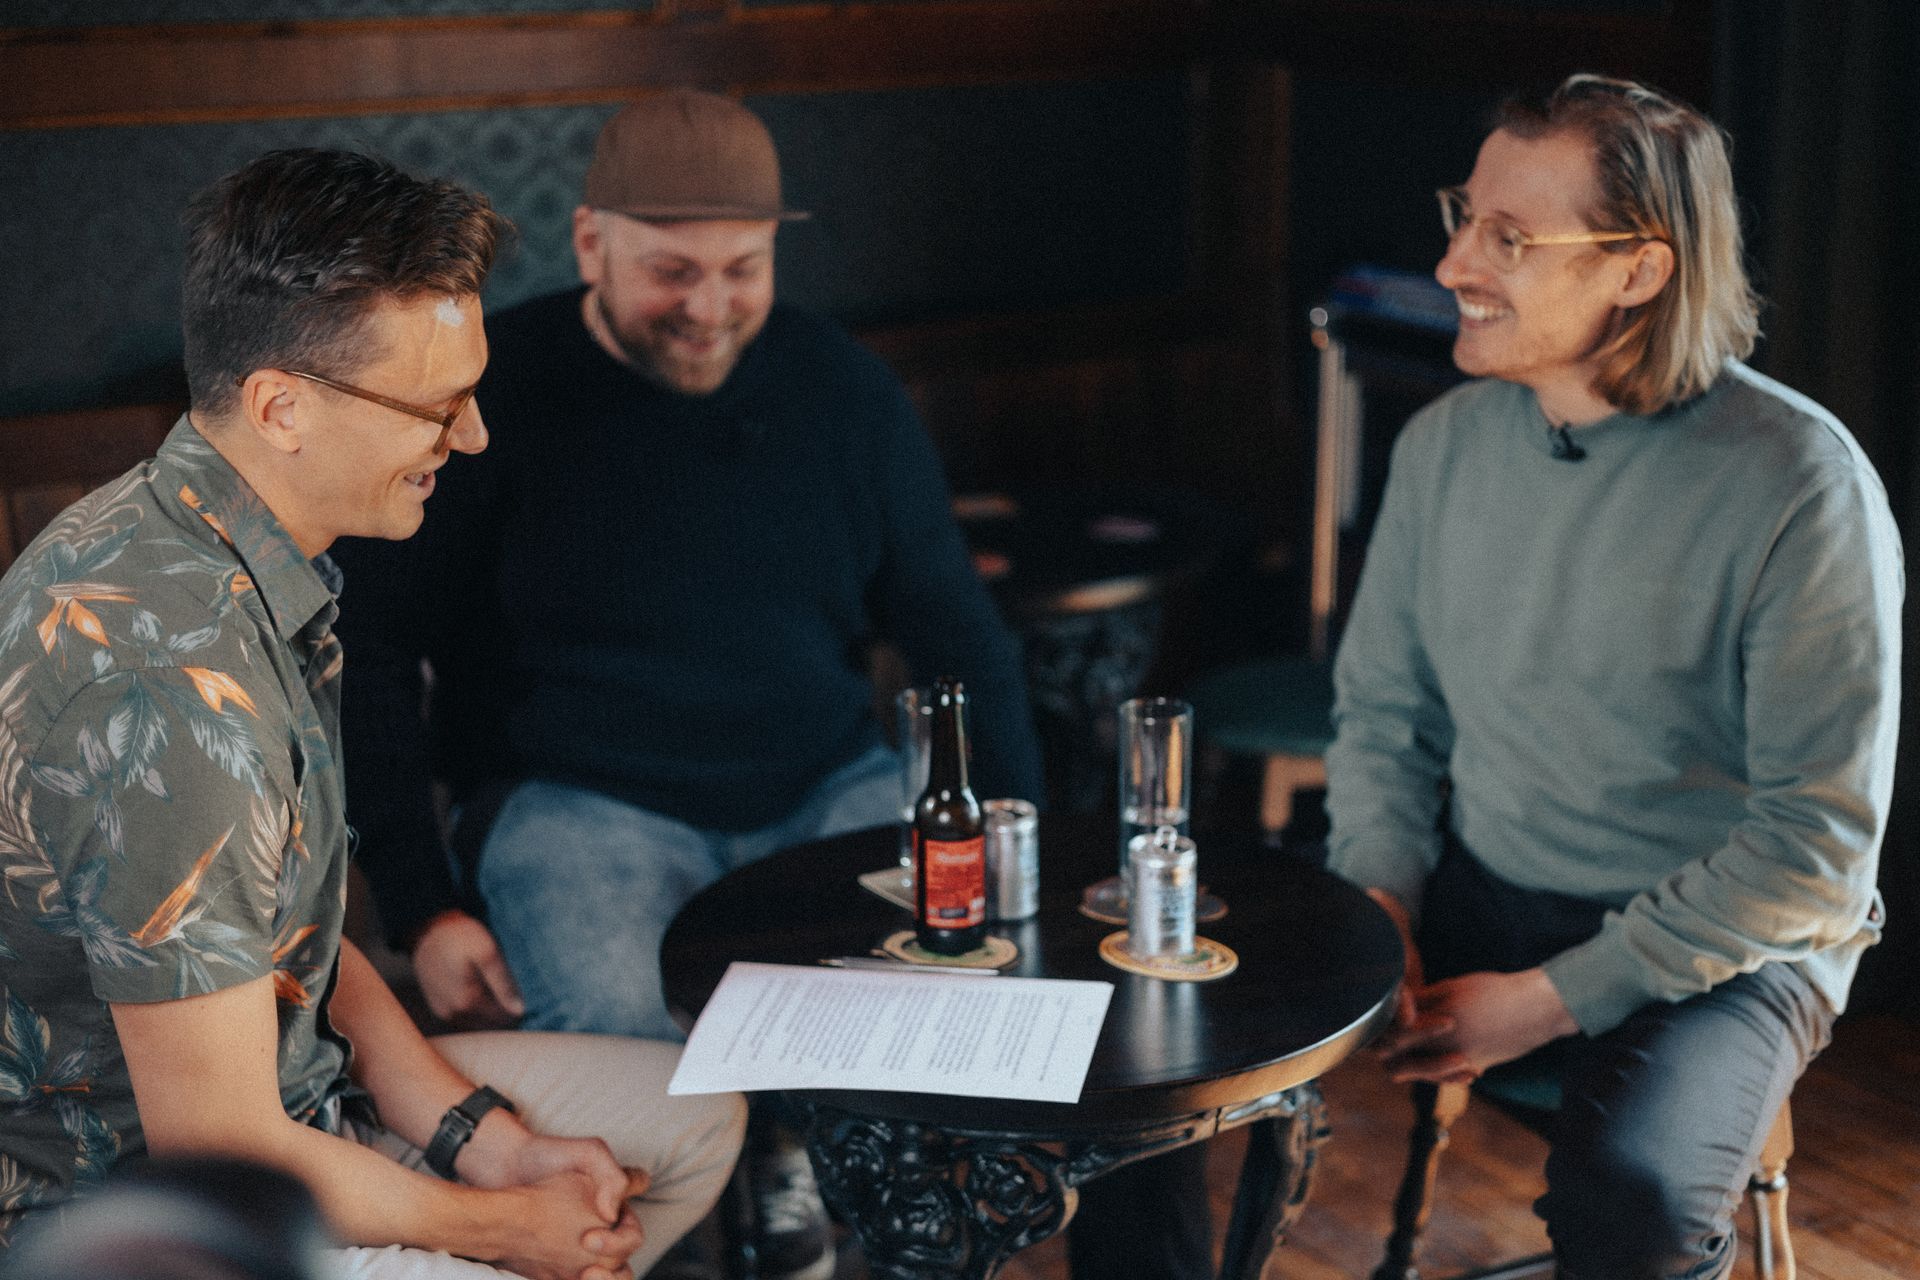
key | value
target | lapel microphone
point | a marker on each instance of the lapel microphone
(1563, 446)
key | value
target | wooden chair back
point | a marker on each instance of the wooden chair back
(50, 460)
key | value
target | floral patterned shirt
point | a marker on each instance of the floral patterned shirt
(172, 816)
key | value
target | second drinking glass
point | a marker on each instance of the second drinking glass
(1156, 787)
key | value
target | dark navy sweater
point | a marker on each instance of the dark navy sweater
(667, 598)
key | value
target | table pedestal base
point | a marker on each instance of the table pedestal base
(932, 1203)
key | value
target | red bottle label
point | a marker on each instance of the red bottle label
(956, 875)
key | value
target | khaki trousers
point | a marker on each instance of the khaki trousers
(569, 1085)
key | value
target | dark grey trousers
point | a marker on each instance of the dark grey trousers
(1662, 1118)
(1145, 1221)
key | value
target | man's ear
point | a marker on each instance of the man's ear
(271, 402)
(1652, 269)
(587, 244)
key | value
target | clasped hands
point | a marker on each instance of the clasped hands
(577, 1222)
(1454, 1030)
(579, 1225)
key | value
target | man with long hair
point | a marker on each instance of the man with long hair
(1617, 703)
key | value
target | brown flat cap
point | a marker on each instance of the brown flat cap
(686, 154)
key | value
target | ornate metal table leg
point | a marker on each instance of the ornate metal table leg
(1274, 1180)
(929, 1204)
(933, 1204)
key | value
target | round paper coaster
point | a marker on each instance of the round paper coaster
(1209, 960)
(996, 953)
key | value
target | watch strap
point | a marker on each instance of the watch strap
(457, 1126)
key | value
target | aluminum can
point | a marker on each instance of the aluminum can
(1013, 859)
(1164, 870)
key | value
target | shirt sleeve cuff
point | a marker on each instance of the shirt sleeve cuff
(1601, 981)
(1377, 867)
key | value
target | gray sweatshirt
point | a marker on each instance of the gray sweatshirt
(1663, 676)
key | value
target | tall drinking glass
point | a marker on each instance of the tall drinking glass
(1156, 768)
(1156, 787)
(913, 723)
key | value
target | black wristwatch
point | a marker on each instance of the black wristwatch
(457, 1126)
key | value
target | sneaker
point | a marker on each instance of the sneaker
(792, 1238)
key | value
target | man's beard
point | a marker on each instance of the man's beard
(648, 363)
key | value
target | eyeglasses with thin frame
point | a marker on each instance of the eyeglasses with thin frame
(1503, 243)
(444, 419)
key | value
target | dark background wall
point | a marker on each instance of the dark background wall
(927, 202)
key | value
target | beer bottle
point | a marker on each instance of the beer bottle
(949, 844)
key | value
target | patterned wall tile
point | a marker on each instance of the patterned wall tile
(925, 201)
(91, 309)
(100, 13)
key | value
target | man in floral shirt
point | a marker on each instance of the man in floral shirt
(172, 818)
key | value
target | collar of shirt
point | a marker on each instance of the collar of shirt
(215, 502)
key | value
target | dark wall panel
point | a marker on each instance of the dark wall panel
(1367, 159)
(935, 201)
(1633, 8)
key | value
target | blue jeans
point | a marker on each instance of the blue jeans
(580, 888)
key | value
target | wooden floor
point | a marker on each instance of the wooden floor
(1854, 1203)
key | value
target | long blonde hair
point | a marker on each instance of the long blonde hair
(1662, 171)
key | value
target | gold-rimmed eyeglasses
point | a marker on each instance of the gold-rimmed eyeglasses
(1503, 243)
(442, 418)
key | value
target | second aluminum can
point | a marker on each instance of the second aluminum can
(1160, 912)
(1013, 859)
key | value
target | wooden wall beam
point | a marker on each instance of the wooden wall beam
(177, 73)
(172, 74)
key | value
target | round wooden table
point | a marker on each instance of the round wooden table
(940, 1186)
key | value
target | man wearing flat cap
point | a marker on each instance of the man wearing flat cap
(646, 611)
